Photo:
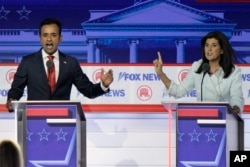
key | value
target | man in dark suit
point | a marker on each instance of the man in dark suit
(32, 71)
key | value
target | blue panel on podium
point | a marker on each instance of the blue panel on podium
(205, 133)
(201, 134)
(52, 133)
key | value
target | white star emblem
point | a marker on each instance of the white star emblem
(3, 13)
(211, 136)
(194, 135)
(61, 135)
(180, 135)
(23, 13)
(44, 135)
(28, 135)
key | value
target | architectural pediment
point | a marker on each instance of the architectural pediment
(158, 12)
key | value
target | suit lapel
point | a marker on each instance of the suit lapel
(41, 70)
(62, 67)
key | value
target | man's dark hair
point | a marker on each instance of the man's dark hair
(48, 21)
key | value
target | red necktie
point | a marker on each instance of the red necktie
(51, 73)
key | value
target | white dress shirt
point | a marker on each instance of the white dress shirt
(56, 63)
(55, 60)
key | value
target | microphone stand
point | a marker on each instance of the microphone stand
(202, 85)
(205, 69)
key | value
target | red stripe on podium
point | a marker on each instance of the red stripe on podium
(124, 108)
(47, 112)
(198, 113)
(116, 108)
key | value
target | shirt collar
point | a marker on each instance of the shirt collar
(44, 54)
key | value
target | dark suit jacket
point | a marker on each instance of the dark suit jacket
(31, 73)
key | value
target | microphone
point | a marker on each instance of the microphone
(49, 64)
(205, 69)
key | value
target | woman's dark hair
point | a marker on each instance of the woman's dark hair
(226, 59)
(10, 154)
(49, 21)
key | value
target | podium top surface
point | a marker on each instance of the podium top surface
(191, 102)
(173, 104)
(44, 101)
(22, 104)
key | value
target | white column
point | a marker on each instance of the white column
(133, 51)
(180, 55)
(104, 58)
(98, 55)
(91, 51)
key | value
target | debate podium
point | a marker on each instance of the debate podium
(204, 133)
(51, 133)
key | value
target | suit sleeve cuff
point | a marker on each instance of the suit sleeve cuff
(104, 88)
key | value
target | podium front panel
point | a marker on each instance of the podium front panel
(49, 134)
(201, 135)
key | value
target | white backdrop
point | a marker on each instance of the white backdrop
(115, 139)
(133, 84)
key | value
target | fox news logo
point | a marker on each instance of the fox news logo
(138, 76)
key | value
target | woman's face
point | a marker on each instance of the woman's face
(213, 50)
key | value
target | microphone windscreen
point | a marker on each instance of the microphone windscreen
(205, 67)
(49, 64)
